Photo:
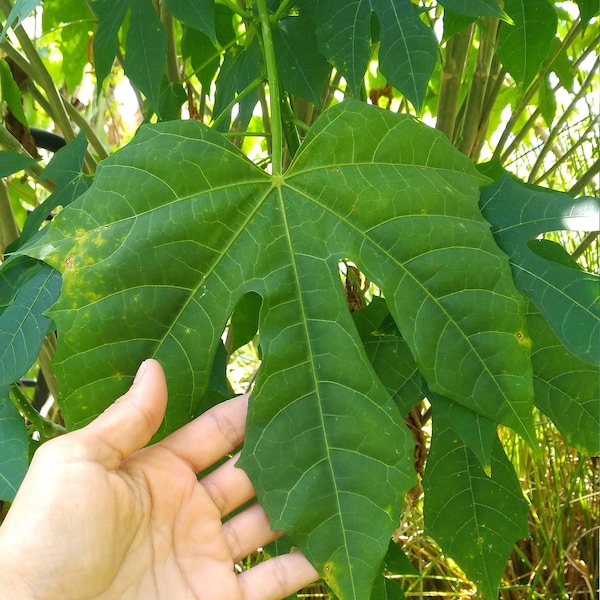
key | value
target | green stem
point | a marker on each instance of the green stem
(283, 7)
(46, 428)
(452, 70)
(9, 230)
(587, 241)
(234, 6)
(225, 112)
(273, 79)
(556, 130)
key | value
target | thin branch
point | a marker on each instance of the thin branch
(555, 131)
(586, 178)
(9, 229)
(587, 241)
(531, 90)
(37, 70)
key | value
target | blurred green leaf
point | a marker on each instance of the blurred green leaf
(475, 518)
(408, 51)
(240, 68)
(13, 162)
(11, 93)
(73, 22)
(199, 14)
(568, 298)
(389, 354)
(20, 10)
(203, 55)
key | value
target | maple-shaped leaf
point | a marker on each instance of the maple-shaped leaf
(179, 225)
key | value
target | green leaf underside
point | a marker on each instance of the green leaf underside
(14, 447)
(491, 511)
(396, 199)
(568, 298)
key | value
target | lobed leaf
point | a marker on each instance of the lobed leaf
(326, 446)
(475, 518)
(408, 50)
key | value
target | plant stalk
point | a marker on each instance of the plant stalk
(452, 70)
(274, 96)
(39, 72)
(9, 230)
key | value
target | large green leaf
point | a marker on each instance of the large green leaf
(567, 297)
(179, 225)
(475, 518)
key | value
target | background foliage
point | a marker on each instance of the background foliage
(388, 206)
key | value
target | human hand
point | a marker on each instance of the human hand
(99, 516)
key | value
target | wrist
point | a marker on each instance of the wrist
(11, 585)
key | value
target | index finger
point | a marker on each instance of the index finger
(211, 436)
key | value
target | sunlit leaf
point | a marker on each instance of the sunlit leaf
(567, 297)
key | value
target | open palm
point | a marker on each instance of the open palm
(99, 518)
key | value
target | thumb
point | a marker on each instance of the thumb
(128, 424)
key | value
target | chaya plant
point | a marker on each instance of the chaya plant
(181, 236)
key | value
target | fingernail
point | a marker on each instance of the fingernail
(140, 372)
